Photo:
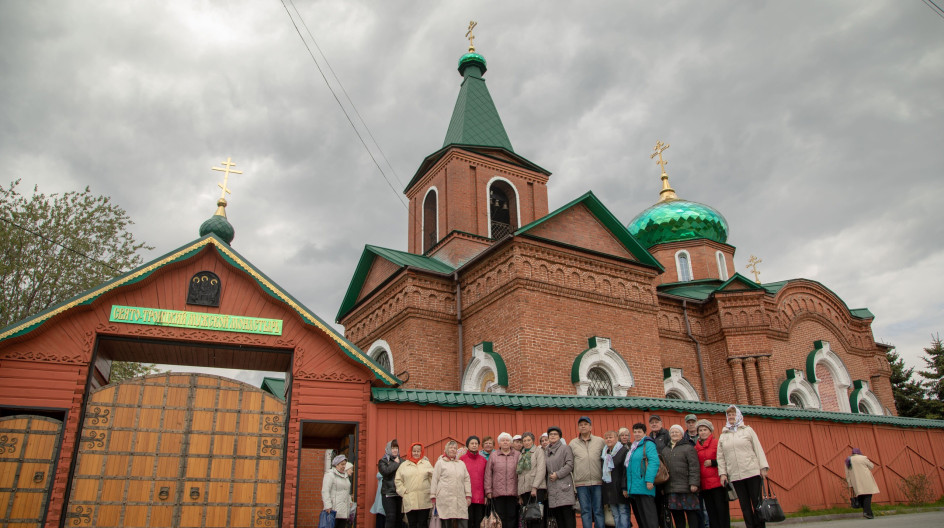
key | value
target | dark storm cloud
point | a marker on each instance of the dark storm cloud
(813, 127)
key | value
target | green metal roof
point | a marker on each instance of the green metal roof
(186, 252)
(675, 220)
(400, 258)
(697, 290)
(274, 386)
(598, 210)
(539, 401)
(475, 120)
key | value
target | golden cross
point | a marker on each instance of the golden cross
(659, 148)
(470, 36)
(752, 265)
(226, 172)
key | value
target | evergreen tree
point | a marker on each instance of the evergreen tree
(909, 394)
(122, 370)
(934, 361)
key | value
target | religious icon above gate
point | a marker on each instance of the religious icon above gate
(204, 289)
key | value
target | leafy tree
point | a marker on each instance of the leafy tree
(909, 394)
(934, 361)
(54, 247)
(122, 370)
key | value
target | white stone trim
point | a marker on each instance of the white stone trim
(480, 366)
(610, 361)
(379, 346)
(806, 391)
(423, 247)
(688, 267)
(722, 265)
(676, 383)
(871, 402)
(841, 379)
(488, 203)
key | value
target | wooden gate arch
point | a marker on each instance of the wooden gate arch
(29, 446)
(179, 449)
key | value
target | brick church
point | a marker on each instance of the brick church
(498, 294)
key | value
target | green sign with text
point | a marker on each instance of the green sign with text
(198, 320)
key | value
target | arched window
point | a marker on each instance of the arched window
(502, 208)
(797, 392)
(677, 387)
(380, 353)
(862, 400)
(722, 266)
(683, 263)
(600, 384)
(797, 401)
(829, 376)
(673, 395)
(601, 371)
(430, 219)
(486, 371)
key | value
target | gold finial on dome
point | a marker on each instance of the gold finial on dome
(667, 193)
(221, 203)
(469, 35)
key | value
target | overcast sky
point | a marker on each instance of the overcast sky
(814, 127)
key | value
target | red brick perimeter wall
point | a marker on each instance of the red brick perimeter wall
(309, 487)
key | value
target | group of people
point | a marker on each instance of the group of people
(618, 470)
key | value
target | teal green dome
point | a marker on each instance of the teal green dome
(219, 225)
(472, 59)
(674, 220)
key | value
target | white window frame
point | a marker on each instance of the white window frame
(379, 346)
(688, 267)
(609, 361)
(805, 390)
(841, 379)
(866, 396)
(674, 382)
(423, 247)
(488, 202)
(481, 365)
(722, 265)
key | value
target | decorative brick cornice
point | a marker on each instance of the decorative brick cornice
(497, 166)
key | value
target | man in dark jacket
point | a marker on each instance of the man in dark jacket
(661, 437)
(614, 479)
(392, 503)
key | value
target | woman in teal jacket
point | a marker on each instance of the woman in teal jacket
(642, 464)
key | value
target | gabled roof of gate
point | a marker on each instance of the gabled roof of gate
(609, 403)
(183, 253)
(605, 217)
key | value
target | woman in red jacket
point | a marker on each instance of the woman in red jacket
(712, 492)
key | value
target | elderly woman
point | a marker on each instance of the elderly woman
(336, 492)
(614, 478)
(475, 463)
(501, 481)
(642, 464)
(413, 480)
(681, 491)
(532, 475)
(712, 492)
(741, 461)
(560, 480)
(392, 502)
(451, 488)
(860, 479)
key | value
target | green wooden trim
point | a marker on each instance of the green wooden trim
(502, 378)
(858, 387)
(785, 387)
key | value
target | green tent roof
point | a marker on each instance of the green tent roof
(475, 119)
(274, 386)
(538, 401)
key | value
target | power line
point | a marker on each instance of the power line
(348, 97)
(934, 7)
(67, 248)
(338, 100)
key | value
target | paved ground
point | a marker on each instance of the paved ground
(910, 520)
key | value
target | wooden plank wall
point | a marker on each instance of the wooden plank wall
(807, 458)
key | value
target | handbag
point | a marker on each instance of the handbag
(532, 511)
(326, 519)
(662, 474)
(856, 502)
(608, 519)
(491, 519)
(434, 521)
(732, 493)
(769, 509)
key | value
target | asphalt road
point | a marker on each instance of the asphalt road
(910, 520)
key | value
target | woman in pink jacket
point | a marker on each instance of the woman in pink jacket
(501, 481)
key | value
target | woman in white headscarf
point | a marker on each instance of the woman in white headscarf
(741, 461)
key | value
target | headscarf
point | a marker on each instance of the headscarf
(337, 460)
(855, 451)
(524, 461)
(388, 449)
(633, 447)
(738, 419)
(409, 455)
(608, 461)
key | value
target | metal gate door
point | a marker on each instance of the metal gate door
(28, 449)
(188, 450)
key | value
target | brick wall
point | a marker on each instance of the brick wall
(309, 487)
(827, 390)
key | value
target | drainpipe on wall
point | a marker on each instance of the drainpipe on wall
(455, 277)
(701, 364)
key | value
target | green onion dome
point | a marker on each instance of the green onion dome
(672, 220)
(218, 224)
(472, 59)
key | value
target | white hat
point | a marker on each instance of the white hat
(516, 437)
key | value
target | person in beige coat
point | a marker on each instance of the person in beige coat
(532, 475)
(413, 481)
(336, 491)
(860, 479)
(742, 462)
(451, 488)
